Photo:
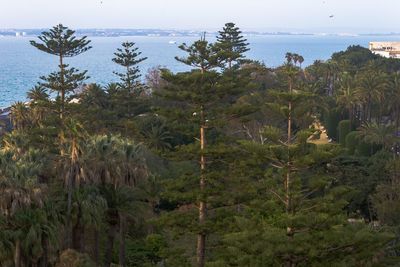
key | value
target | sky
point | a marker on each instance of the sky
(262, 15)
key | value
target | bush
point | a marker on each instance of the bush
(72, 258)
(352, 142)
(331, 121)
(366, 149)
(344, 129)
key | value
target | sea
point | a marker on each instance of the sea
(21, 64)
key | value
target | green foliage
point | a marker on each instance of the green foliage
(150, 251)
(231, 45)
(331, 120)
(121, 171)
(386, 199)
(62, 42)
(344, 129)
(352, 140)
(201, 54)
(365, 149)
(71, 258)
(155, 133)
(128, 57)
(356, 55)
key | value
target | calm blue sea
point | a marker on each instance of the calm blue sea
(21, 65)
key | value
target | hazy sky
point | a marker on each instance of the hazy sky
(303, 15)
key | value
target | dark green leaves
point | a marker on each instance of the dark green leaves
(128, 57)
(61, 41)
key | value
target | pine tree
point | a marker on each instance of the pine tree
(128, 57)
(295, 216)
(202, 56)
(62, 42)
(199, 100)
(231, 44)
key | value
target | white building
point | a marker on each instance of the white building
(385, 49)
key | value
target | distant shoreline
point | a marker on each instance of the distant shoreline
(174, 33)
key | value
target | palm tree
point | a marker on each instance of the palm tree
(347, 96)
(300, 60)
(372, 86)
(93, 207)
(16, 143)
(51, 225)
(157, 137)
(19, 115)
(19, 193)
(122, 202)
(101, 157)
(39, 106)
(73, 177)
(94, 96)
(38, 93)
(133, 171)
(378, 134)
(115, 164)
(393, 97)
(31, 229)
(87, 210)
(332, 72)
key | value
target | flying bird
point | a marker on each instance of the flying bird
(331, 16)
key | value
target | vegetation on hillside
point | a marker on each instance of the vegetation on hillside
(215, 166)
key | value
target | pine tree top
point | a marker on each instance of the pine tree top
(231, 44)
(232, 37)
(127, 56)
(201, 54)
(61, 41)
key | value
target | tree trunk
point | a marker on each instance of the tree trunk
(122, 227)
(369, 109)
(287, 183)
(62, 87)
(70, 184)
(17, 254)
(201, 237)
(128, 80)
(289, 141)
(112, 232)
(44, 259)
(96, 247)
(78, 234)
(68, 225)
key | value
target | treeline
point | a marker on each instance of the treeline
(227, 164)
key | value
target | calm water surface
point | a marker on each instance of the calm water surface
(21, 65)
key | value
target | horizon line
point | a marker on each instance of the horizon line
(213, 30)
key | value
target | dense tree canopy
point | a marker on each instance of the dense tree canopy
(230, 163)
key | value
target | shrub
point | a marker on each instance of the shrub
(344, 129)
(352, 141)
(72, 258)
(331, 121)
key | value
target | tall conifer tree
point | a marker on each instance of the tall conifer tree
(296, 216)
(231, 44)
(63, 43)
(128, 57)
(201, 55)
(200, 97)
(203, 99)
